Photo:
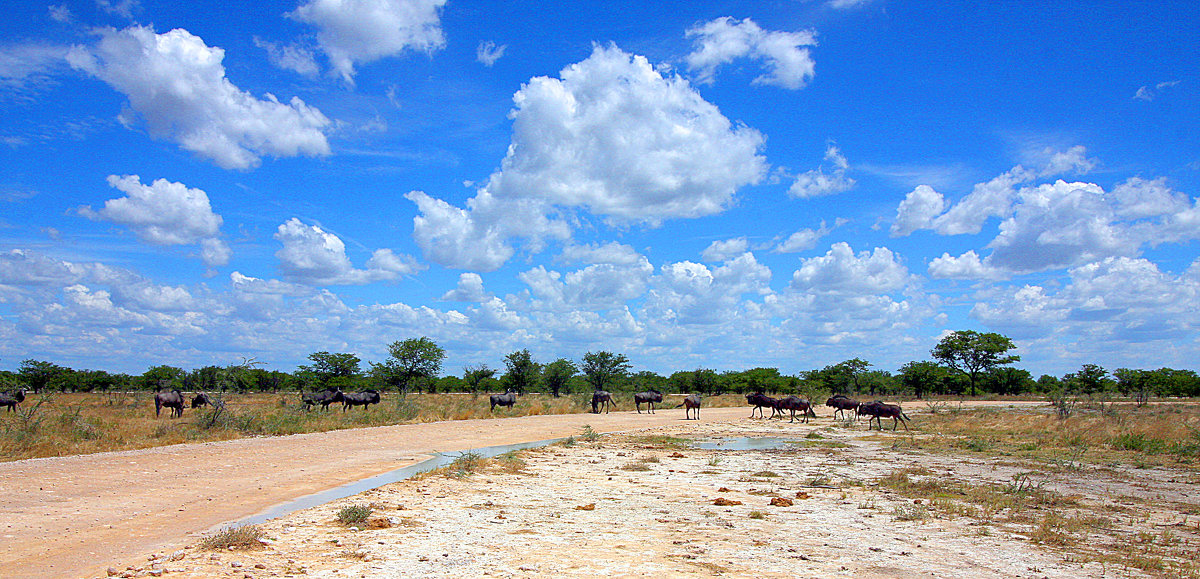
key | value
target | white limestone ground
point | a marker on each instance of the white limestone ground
(587, 511)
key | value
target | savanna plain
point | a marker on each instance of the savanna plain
(1001, 488)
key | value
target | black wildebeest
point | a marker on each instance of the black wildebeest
(879, 410)
(602, 399)
(841, 403)
(507, 399)
(12, 399)
(364, 398)
(324, 398)
(759, 401)
(794, 404)
(689, 402)
(201, 399)
(649, 398)
(172, 400)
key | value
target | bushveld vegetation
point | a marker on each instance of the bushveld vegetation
(963, 362)
(1097, 441)
(56, 424)
(57, 419)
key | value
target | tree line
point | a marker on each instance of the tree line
(963, 363)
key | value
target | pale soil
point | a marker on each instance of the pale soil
(77, 516)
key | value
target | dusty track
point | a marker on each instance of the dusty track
(71, 516)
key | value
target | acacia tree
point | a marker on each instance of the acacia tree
(921, 377)
(973, 353)
(39, 374)
(603, 369)
(558, 373)
(475, 375)
(853, 369)
(521, 371)
(410, 360)
(331, 369)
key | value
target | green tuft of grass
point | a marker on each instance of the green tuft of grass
(354, 514)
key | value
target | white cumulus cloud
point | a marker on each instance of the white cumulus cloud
(611, 135)
(817, 182)
(352, 32)
(918, 210)
(177, 85)
(312, 255)
(165, 213)
(723, 40)
(842, 271)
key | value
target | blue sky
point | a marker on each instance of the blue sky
(693, 184)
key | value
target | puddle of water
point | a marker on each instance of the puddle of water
(439, 460)
(747, 443)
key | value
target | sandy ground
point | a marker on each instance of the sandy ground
(624, 505)
(72, 516)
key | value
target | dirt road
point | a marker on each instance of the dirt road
(70, 516)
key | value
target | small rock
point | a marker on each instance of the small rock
(235, 564)
(155, 572)
(113, 572)
(587, 507)
(676, 455)
(724, 502)
(802, 495)
(781, 502)
(259, 566)
(724, 490)
(178, 555)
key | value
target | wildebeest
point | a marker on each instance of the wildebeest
(364, 398)
(841, 403)
(507, 399)
(172, 400)
(649, 398)
(602, 399)
(324, 398)
(12, 399)
(201, 399)
(879, 410)
(794, 404)
(689, 402)
(760, 400)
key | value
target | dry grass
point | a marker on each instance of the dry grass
(1113, 439)
(243, 537)
(1154, 435)
(65, 424)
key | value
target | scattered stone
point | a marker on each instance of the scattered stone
(380, 523)
(587, 507)
(724, 502)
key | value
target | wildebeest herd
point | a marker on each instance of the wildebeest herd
(841, 404)
(602, 402)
